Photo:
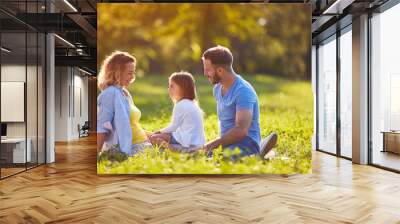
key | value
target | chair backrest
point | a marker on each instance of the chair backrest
(86, 125)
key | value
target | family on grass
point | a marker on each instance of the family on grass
(118, 118)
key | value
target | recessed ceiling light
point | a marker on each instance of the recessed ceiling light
(70, 5)
(64, 40)
(5, 50)
(84, 71)
(337, 7)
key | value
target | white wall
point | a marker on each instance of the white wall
(61, 103)
(71, 94)
(81, 100)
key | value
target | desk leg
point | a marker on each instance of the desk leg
(384, 142)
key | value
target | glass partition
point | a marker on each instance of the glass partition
(385, 88)
(22, 90)
(327, 95)
(346, 93)
(13, 98)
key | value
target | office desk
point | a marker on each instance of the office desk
(13, 150)
(391, 141)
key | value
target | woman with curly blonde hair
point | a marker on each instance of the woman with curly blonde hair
(117, 116)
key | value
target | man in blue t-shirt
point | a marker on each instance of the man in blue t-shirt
(237, 106)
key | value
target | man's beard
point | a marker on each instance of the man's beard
(215, 79)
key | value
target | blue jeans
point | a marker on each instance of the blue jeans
(247, 147)
(136, 148)
(173, 141)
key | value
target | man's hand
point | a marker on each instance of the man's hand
(159, 139)
(212, 145)
(151, 134)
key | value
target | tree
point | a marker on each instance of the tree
(264, 38)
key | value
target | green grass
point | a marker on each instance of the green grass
(286, 107)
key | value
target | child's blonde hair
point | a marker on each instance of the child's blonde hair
(112, 67)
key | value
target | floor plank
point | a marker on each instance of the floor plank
(70, 191)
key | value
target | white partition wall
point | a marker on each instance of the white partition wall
(71, 102)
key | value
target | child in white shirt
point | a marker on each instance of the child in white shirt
(186, 131)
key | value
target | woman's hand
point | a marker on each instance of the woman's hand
(101, 137)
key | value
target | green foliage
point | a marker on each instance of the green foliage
(285, 107)
(264, 38)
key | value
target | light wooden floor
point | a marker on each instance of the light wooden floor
(9, 171)
(5, 172)
(70, 191)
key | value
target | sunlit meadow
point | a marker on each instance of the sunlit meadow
(285, 107)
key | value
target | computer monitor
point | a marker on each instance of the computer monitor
(3, 129)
